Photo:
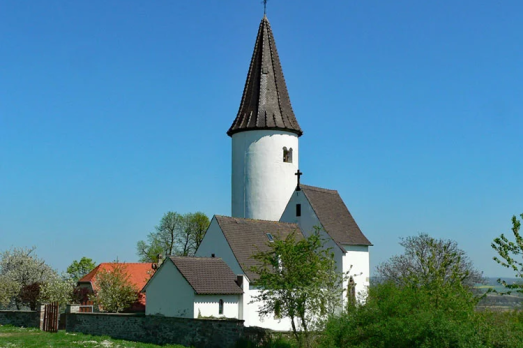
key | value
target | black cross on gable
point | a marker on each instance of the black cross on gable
(298, 174)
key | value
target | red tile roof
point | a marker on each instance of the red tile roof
(139, 274)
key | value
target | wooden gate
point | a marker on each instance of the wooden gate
(51, 315)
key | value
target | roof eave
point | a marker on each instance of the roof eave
(231, 132)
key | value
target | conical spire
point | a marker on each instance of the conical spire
(265, 103)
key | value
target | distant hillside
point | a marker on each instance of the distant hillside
(494, 281)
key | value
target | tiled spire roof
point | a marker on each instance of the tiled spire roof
(265, 103)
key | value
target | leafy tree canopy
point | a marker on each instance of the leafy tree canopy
(426, 261)
(177, 234)
(510, 254)
(8, 290)
(58, 289)
(298, 280)
(78, 269)
(113, 290)
(23, 267)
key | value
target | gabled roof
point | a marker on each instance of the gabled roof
(265, 102)
(247, 237)
(139, 273)
(334, 216)
(207, 275)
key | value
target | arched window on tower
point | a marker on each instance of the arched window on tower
(287, 155)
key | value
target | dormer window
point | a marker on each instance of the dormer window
(287, 155)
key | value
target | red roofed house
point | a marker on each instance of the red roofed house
(139, 275)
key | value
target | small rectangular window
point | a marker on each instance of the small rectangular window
(298, 209)
(270, 237)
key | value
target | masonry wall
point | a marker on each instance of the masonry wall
(199, 333)
(20, 318)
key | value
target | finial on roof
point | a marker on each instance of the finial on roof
(298, 174)
(264, 7)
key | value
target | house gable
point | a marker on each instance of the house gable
(169, 293)
(215, 243)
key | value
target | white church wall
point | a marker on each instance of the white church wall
(357, 256)
(209, 306)
(169, 294)
(215, 243)
(356, 260)
(308, 221)
(261, 182)
(252, 316)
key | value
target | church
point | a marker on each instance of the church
(268, 200)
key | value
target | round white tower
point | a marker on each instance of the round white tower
(265, 136)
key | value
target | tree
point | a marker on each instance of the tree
(399, 316)
(426, 260)
(176, 234)
(113, 290)
(511, 254)
(197, 224)
(298, 280)
(78, 269)
(23, 267)
(58, 289)
(8, 290)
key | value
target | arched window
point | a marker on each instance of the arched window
(287, 155)
(220, 308)
(351, 291)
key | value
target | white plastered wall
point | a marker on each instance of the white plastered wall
(209, 306)
(250, 311)
(308, 221)
(357, 257)
(214, 242)
(261, 182)
(169, 294)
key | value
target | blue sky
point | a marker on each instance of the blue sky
(115, 112)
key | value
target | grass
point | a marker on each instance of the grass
(15, 337)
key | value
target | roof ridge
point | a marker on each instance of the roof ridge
(124, 263)
(256, 220)
(319, 189)
(195, 257)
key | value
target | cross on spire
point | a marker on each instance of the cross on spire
(264, 6)
(298, 174)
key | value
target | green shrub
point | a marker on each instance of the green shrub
(271, 342)
(395, 317)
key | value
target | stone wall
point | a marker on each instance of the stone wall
(21, 318)
(199, 333)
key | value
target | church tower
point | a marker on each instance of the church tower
(264, 137)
